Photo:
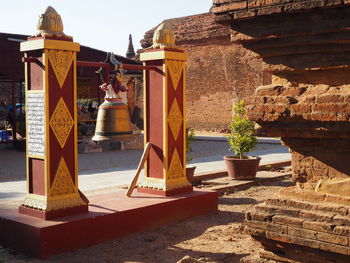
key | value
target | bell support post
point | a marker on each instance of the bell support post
(51, 125)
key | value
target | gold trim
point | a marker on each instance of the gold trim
(49, 44)
(154, 183)
(45, 59)
(145, 114)
(175, 69)
(177, 183)
(165, 122)
(175, 168)
(62, 183)
(162, 54)
(184, 110)
(61, 62)
(75, 122)
(36, 156)
(26, 109)
(44, 204)
(175, 119)
(164, 184)
(61, 122)
(35, 91)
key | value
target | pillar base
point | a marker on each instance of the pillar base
(110, 216)
(182, 190)
(48, 215)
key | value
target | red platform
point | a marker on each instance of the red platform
(110, 216)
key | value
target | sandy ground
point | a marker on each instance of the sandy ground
(12, 162)
(217, 237)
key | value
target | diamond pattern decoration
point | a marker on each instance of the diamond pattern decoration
(61, 122)
(175, 168)
(61, 62)
(175, 119)
(175, 69)
(63, 183)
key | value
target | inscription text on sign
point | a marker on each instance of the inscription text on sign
(36, 124)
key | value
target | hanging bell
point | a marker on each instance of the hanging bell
(113, 121)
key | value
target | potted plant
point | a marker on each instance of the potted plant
(242, 140)
(189, 139)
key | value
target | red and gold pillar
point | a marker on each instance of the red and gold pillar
(165, 128)
(51, 121)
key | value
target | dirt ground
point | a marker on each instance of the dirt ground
(217, 237)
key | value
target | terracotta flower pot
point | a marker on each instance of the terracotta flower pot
(242, 168)
(190, 173)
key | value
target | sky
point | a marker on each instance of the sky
(100, 24)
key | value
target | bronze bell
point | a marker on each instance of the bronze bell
(113, 121)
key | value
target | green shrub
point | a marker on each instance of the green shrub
(241, 136)
(189, 139)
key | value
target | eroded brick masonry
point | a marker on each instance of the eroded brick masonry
(217, 71)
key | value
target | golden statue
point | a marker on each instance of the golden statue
(50, 24)
(163, 37)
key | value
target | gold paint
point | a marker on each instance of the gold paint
(35, 202)
(177, 183)
(47, 163)
(163, 37)
(175, 69)
(61, 63)
(164, 184)
(165, 122)
(61, 122)
(162, 54)
(174, 174)
(184, 110)
(50, 24)
(153, 183)
(175, 167)
(75, 87)
(44, 204)
(26, 116)
(175, 119)
(145, 136)
(36, 44)
(63, 183)
(36, 156)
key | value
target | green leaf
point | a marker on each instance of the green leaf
(241, 137)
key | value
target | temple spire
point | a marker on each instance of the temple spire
(130, 53)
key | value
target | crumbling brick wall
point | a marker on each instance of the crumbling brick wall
(217, 71)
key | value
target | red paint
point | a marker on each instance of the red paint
(66, 92)
(108, 66)
(178, 142)
(110, 216)
(36, 76)
(166, 193)
(49, 215)
(154, 126)
(36, 168)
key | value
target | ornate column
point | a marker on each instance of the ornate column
(164, 107)
(51, 119)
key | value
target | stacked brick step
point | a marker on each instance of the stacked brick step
(293, 230)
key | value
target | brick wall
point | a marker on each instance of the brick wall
(217, 71)
(245, 9)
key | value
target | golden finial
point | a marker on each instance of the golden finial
(163, 37)
(50, 24)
